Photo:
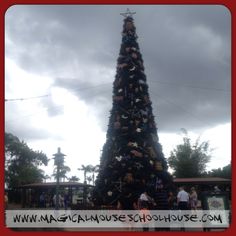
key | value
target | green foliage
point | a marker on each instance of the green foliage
(86, 169)
(74, 178)
(90, 179)
(22, 163)
(63, 170)
(224, 172)
(189, 160)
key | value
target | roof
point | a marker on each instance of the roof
(207, 180)
(52, 184)
(202, 180)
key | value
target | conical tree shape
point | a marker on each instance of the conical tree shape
(132, 160)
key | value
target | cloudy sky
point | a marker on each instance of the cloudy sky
(61, 60)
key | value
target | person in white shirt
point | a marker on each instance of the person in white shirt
(145, 201)
(182, 199)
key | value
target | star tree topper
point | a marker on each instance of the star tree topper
(128, 13)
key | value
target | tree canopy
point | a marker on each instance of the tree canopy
(224, 172)
(62, 173)
(86, 169)
(22, 163)
(74, 178)
(189, 160)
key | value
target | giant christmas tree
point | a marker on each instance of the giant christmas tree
(132, 160)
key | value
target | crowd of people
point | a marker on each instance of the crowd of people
(162, 200)
(50, 201)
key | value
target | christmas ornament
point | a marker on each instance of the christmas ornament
(118, 98)
(109, 193)
(117, 117)
(151, 152)
(134, 55)
(132, 69)
(136, 153)
(122, 65)
(145, 120)
(131, 144)
(124, 117)
(116, 83)
(118, 158)
(158, 166)
(125, 128)
(117, 125)
(146, 99)
(151, 162)
(129, 25)
(128, 178)
(131, 76)
(141, 81)
(138, 165)
(144, 112)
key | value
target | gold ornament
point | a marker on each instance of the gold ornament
(129, 178)
(151, 152)
(158, 166)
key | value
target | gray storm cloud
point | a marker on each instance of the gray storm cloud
(186, 52)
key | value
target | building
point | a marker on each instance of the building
(28, 195)
(203, 183)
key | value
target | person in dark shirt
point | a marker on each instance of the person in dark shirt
(126, 201)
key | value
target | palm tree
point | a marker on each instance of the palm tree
(85, 169)
(46, 177)
(89, 179)
(94, 170)
(62, 172)
(74, 178)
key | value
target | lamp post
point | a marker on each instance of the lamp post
(58, 162)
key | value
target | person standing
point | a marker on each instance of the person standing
(145, 200)
(42, 200)
(6, 200)
(171, 201)
(182, 199)
(193, 199)
(183, 202)
(216, 189)
(144, 203)
(126, 201)
(66, 200)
